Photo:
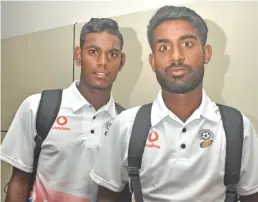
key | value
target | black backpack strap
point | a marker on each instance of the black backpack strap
(46, 115)
(119, 108)
(233, 125)
(140, 131)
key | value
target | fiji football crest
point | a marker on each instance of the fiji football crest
(206, 138)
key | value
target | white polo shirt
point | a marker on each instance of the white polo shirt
(69, 151)
(177, 164)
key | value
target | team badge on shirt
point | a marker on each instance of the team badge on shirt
(107, 126)
(206, 137)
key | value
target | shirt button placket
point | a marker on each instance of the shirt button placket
(182, 144)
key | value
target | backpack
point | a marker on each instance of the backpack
(48, 109)
(233, 125)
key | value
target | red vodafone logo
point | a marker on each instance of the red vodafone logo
(153, 136)
(61, 120)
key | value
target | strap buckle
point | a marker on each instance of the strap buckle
(133, 172)
(231, 188)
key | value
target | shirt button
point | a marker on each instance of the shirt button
(92, 131)
(183, 146)
(184, 130)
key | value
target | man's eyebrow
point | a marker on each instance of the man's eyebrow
(187, 36)
(162, 40)
(115, 49)
(97, 47)
(92, 46)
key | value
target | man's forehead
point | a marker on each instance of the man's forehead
(174, 29)
(102, 40)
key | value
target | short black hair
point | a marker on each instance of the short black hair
(167, 13)
(101, 25)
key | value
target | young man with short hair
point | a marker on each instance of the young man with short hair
(184, 155)
(87, 110)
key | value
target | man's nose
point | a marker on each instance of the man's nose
(102, 60)
(177, 55)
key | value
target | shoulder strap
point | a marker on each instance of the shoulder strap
(140, 131)
(46, 115)
(119, 108)
(233, 125)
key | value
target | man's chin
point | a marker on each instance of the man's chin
(101, 87)
(180, 89)
(98, 85)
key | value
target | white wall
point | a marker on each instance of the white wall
(22, 17)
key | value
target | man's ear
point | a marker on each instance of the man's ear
(123, 59)
(151, 61)
(207, 53)
(77, 56)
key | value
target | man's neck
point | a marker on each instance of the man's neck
(97, 98)
(183, 105)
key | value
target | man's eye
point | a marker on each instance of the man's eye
(187, 44)
(164, 48)
(93, 52)
(112, 55)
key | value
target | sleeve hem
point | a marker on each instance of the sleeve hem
(248, 192)
(15, 163)
(104, 183)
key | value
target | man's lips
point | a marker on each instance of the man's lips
(178, 71)
(100, 74)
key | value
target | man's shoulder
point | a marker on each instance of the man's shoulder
(128, 115)
(31, 101)
(246, 120)
(248, 125)
(249, 128)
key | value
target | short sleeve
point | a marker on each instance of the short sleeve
(110, 170)
(248, 184)
(18, 144)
